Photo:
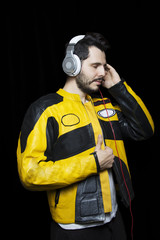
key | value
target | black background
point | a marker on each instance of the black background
(35, 37)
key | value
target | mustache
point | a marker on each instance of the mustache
(98, 79)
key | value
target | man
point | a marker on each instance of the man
(71, 145)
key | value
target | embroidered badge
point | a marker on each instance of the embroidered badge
(103, 113)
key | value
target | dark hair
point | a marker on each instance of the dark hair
(81, 49)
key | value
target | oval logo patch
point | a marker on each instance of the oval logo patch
(70, 119)
(103, 113)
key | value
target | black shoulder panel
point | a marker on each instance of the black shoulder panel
(33, 114)
(48, 100)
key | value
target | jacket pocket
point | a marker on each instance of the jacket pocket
(57, 197)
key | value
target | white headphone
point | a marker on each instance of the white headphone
(72, 64)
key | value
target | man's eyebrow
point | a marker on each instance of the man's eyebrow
(98, 64)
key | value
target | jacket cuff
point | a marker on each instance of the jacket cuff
(116, 87)
(96, 159)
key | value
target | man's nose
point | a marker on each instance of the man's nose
(102, 71)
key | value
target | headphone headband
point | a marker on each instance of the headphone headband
(76, 39)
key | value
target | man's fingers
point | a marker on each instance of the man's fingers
(99, 143)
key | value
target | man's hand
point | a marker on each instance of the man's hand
(111, 78)
(105, 157)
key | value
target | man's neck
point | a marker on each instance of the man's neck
(71, 87)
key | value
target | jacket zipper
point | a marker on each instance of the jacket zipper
(89, 120)
(57, 195)
(97, 118)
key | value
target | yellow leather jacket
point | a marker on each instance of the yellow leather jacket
(56, 150)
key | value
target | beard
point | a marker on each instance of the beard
(83, 83)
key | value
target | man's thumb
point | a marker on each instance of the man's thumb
(99, 142)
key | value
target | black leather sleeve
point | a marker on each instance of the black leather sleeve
(133, 121)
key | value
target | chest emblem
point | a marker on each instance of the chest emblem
(70, 119)
(103, 113)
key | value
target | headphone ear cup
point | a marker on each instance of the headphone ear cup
(78, 65)
(71, 65)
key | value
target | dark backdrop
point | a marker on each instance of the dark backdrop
(35, 38)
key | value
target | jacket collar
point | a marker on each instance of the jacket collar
(71, 96)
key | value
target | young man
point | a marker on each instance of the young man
(71, 145)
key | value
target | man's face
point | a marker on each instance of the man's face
(93, 71)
